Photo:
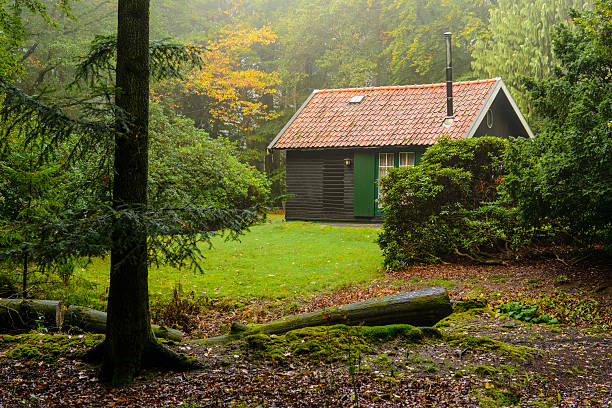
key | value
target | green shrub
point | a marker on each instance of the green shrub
(445, 204)
(563, 177)
(188, 166)
(8, 286)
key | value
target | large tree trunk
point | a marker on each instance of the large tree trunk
(423, 307)
(128, 331)
(130, 343)
(94, 321)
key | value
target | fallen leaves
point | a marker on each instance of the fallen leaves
(573, 372)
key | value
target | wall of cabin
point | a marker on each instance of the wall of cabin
(323, 188)
(320, 185)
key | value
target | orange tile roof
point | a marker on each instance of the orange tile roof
(387, 116)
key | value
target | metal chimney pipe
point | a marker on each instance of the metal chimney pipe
(449, 76)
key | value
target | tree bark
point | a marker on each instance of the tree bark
(128, 330)
(94, 321)
(130, 343)
(423, 307)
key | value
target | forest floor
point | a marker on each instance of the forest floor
(481, 358)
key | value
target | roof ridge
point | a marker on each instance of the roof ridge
(415, 86)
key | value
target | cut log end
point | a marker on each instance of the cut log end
(25, 314)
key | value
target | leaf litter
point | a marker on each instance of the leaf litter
(573, 369)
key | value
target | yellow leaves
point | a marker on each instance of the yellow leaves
(241, 38)
(232, 78)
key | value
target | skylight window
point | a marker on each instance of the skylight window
(357, 99)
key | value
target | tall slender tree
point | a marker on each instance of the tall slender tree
(518, 41)
(128, 326)
(129, 342)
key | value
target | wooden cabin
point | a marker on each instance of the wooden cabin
(341, 141)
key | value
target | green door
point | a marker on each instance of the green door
(364, 177)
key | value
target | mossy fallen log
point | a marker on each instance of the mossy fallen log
(423, 307)
(20, 314)
(25, 314)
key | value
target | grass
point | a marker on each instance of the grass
(273, 260)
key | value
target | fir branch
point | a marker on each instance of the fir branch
(49, 124)
(166, 59)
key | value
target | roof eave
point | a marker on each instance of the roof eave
(295, 115)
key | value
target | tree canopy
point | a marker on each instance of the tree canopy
(564, 176)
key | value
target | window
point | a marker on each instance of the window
(385, 162)
(357, 99)
(406, 159)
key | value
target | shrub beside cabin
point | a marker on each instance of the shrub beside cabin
(341, 141)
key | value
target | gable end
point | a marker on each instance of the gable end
(499, 88)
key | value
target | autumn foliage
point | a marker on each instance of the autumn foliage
(230, 86)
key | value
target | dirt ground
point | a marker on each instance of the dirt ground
(570, 366)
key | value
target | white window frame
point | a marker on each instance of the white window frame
(385, 169)
(406, 159)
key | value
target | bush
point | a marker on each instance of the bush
(8, 286)
(444, 205)
(526, 313)
(187, 166)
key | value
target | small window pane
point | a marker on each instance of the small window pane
(406, 159)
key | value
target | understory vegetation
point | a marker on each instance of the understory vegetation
(445, 204)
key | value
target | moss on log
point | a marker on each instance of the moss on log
(423, 307)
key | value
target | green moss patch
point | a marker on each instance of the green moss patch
(496, 395)
(7, 339)
(48, 348)
(473, 343)
(333, 343)
(485, 371)
(457, 317)
(469, 304)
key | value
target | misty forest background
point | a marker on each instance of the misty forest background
(264, 57)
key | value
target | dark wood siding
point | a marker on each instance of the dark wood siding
(321, 185)
(503, 120)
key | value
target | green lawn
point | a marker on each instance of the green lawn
(273, 260)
